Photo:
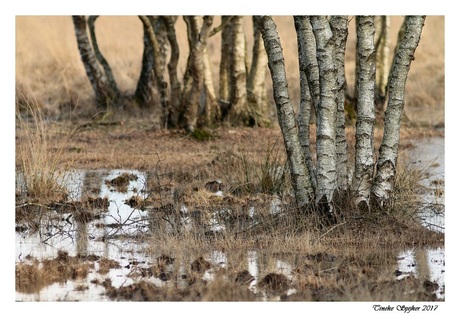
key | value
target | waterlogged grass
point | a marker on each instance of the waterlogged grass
(283, 255)
(223, 209)
(40, 167)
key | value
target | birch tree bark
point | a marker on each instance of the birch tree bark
(339, 27)
(326, 171)
(302, 186)
(303, 25)
(257, 77)
(194, 76)
(382, 58)
(157, 67)
(306, 45)
(105, 96)
(224, 77)
(212, 109)
(147, 93)
(364, 157)
(388, 153)
(239, 111)
(175, 87)
(101, 59)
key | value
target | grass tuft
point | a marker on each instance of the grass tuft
(40, 170)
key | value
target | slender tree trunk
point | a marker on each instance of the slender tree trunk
(101, 59)
(302, 186)
(339, 27)
(105, 97)
(326, 113)
(157, 67)
(304, 44)
(159, 29)
(382, 59)
(212, 109)
(239, 111)
(257, 77)
(175, 88)
(388, 152)
(147, 93)
(224, 77)
(364, 158)
(311, 60)
(195, 72)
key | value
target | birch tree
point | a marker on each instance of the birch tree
(224, 77)
(326, 168)
(382, 58)
(388, 152)
(320, 185)
(364, 157)
(238, 90)
(257, 77)
(174, 84)
(101, 59)
(309, 84)
(303, 188)
(106, 95)
(194, 74)
(339, 27)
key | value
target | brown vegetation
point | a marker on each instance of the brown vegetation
(352, 261)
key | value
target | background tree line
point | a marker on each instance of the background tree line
(193, 100)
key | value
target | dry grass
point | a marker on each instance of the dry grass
(40, 167)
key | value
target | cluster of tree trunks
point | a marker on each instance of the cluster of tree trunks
(321, 47)
(317, 177)
(191, 101)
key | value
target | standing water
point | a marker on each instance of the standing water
(114, 235)
(428, 264)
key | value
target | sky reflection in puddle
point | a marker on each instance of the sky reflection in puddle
(90, 238)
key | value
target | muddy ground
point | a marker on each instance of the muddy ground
(267, 256)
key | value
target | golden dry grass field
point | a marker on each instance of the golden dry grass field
(49, 69)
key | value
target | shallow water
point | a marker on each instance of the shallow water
(428, 155)
(94, 237)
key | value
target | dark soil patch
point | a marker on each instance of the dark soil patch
(31, 278)
(121, 182)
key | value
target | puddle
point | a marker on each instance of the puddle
(429, 264)
(428, 155)
(114, 234)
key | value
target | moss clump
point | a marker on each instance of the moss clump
(201, 135)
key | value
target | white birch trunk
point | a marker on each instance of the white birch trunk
(101, 59)
(306, 48)
(157, 68)
(388, 152)
(257, 99)
(326, 113)
(364, 157)
(286, 117)
(104, 95)
(175, 88)
(212, 110)
(238, 97)
(258, 71)
(382, 57)
(226, 47)
(339, 26)
(195, 69)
